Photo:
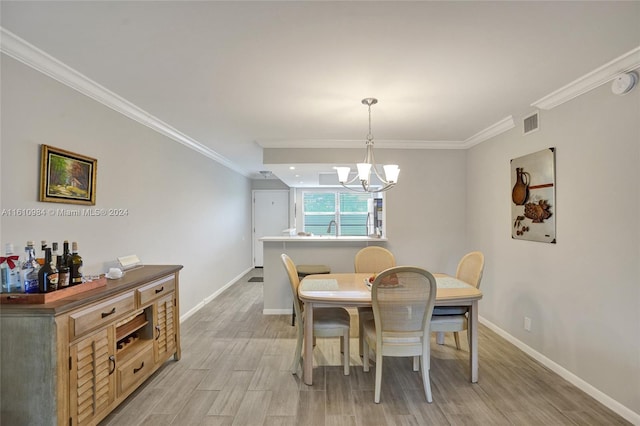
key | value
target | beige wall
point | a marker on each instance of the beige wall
(183, 208)
(425, 211)
(583, 293)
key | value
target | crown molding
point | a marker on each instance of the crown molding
(355, 144)
(28, 54)
(501, 126)
(413, 144)
(624, 63)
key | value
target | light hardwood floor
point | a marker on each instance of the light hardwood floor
(235, 371)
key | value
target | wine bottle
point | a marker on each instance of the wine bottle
(30, 269)
(43, 246)
(54, 254)
(10, 271)
(48, 274)
(63, 267)
(75, 265)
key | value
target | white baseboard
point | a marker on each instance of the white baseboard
(276, 312)
(193, 310)
(598, 395)
(213, 296)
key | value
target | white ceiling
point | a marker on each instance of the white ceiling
(237, 75)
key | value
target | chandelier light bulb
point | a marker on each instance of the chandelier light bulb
(391, 172)
(343, 174)
(364, 172)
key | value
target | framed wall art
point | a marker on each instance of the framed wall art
(66, 177)
(533, 203)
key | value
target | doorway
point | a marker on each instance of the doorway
(270, 218)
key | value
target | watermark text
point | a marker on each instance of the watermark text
(65, 212)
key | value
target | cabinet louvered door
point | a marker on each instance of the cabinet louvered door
(92, 383)
(165, 328)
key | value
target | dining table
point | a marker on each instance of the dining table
(352, 290)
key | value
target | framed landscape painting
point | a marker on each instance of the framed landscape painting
(66, 177)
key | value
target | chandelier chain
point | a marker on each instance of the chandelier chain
(370, 135)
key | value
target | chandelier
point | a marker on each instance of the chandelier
(391, 171)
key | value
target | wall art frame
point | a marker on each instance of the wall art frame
(67, 177)
(533, 197)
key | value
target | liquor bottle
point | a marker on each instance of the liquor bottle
(63, 267)
(54, 254)
(10, 271)
(48, 274)
(30, 269)
(75, 265)
(43, 246)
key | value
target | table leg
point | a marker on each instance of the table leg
(473, 334)
(307, 361)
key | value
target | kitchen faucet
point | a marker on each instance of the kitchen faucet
(329, 227)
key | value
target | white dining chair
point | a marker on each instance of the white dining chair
(372, 259)
(327, 322)
(402, 299)
(454, 318)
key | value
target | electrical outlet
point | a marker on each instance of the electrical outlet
(527, 323)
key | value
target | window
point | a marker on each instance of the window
(350, 212)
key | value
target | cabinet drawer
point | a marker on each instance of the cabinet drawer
(156, 289)
(135, 370)
(103, 313)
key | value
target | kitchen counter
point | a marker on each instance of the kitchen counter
(316, 238)
(336, 252)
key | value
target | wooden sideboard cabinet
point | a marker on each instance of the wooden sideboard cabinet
(72, 361)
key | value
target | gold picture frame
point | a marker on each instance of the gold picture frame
(67, 177)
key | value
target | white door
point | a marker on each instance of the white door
(270, 218)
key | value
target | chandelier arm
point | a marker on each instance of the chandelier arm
(371, 159)
(350, 181)
(387, 187)
(352, 189)
(368, 156)
(369, 190)
(375, 171)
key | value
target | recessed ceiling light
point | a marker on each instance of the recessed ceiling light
(291, 168)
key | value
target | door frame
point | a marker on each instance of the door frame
(290, 219)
